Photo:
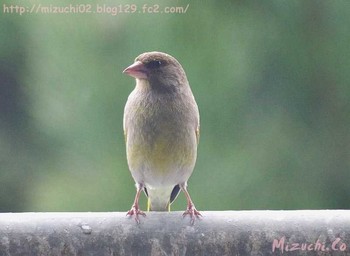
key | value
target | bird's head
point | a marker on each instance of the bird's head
(162, 71)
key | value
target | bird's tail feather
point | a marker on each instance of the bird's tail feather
(159, 198)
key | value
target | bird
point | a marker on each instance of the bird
(161, 128)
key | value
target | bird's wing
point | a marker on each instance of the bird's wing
(125, 128)
(125, 137)
(197, 133)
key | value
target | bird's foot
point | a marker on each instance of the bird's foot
(192, 212)
(135, 211)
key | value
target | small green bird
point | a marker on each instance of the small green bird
(161, 128)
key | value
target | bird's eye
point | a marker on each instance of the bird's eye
(154, 64)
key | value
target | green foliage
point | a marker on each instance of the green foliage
(270, 77)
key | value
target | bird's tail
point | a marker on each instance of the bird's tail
(159, 199)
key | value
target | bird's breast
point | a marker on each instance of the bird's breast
(161, 141)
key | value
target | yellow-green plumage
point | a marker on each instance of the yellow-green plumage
(161, 126)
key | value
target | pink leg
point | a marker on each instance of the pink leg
(135, 210)
(191, 209)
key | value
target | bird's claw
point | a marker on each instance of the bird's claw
(135, 211)
(193, 213)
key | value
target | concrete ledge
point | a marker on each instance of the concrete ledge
(324, 232)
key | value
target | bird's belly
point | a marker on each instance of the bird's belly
(159, 161)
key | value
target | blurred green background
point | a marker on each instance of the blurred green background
(271, 79)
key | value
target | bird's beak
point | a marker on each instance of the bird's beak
(137, 70)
